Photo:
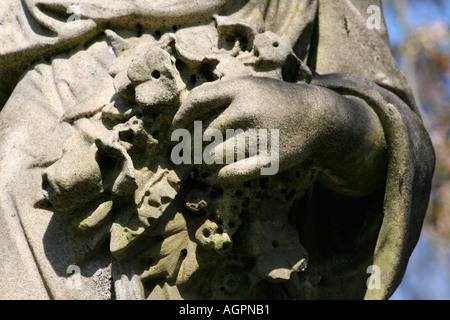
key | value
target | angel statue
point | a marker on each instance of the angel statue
(122, 176)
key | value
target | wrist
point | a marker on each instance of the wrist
(352, 154)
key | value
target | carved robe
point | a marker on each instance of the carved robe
(45, 75)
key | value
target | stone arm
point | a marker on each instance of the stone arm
(356, 61)
(371, 135)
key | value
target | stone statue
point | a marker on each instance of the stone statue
(94, 207)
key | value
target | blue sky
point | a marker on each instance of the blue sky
(428, 274)
(420, 12)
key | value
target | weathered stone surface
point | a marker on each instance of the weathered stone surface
(92, 205)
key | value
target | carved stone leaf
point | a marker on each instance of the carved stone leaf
(87, 228)
(173, 254)
(157, 194)
(125, 230)
(100, 214)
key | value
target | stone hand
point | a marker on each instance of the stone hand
(341, 137)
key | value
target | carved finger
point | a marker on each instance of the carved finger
(43, 19)
(245, 155)
(64, 29)
(237, 116)
(239, 144)
(94, 9)
(247, 169)
(202, 103)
